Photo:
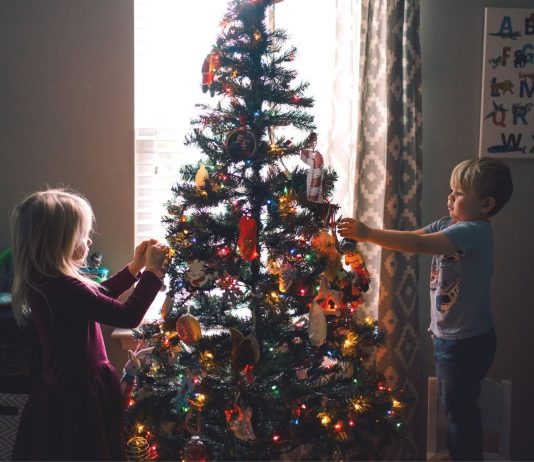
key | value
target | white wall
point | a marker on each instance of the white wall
(451, 42)
(66, 111)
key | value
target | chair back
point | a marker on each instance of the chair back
(495, 403)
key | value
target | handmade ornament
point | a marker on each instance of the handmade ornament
(330, 301)
(241, 144)
(198, 275)
(355, 260)
(286, 276)
(188, 329)
(129, 373)
(316, 325)
(209, 66)
(240, 423)
(195, 450)
(324, 244)
(245, 353)
(247, 238)
(201, 176)
(166, 307)
(314, 178)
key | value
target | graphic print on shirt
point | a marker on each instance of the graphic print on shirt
(445, 280)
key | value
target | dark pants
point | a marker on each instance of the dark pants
(460, 367)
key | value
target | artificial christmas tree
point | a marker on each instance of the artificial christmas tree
(260, 352)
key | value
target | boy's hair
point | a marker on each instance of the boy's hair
(47, 228)
(485, 177)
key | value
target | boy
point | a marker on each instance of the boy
(461, 323)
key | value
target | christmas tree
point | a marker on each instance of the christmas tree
(261, 352)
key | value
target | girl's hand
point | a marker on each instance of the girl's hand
(353, 229)
(156, 256)
(139, 260)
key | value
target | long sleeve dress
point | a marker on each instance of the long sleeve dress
(75, 410)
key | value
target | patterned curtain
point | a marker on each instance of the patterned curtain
(388, 182)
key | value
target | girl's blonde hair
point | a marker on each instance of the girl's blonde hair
(48, 227)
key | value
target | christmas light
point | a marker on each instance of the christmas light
(276, 438)
(360, 404)
(324, 418)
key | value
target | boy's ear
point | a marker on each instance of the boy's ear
(487, 204)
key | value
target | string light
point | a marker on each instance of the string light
(324, 418)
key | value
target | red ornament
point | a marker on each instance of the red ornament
(247, 238)
(210, 65)
(195, 450)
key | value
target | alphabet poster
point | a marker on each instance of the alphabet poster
(507, 115)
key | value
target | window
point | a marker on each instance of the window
(172, 38)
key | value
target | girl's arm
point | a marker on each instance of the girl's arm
(118, 283)
(123, 280)
(94, 305)
(401, 241)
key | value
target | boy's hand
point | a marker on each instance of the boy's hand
(139, 260)
(353, 229)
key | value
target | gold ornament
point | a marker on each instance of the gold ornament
(201, 176)
(137, 449)
(188, 329)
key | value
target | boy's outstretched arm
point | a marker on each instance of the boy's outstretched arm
(401, 241)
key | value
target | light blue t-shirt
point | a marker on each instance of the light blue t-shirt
(460, 283)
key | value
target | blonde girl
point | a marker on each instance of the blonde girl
(75, 410)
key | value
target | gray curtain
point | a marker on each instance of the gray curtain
(388, 183)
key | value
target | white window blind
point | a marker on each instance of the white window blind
(172, 38)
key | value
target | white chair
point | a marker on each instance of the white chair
(495, 403)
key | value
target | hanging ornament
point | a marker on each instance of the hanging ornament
(195, 450)
(188, 329)
(245, 353)
(302, 373)
(316, 325)
(166, 307)
(184, 392)
(239, 422)
(247, 238)
(138, 449)
(324, 244)
(330, 301)
(241, 144)
(201, 176)
(199, 275)
(286, 276)
(129, 373)
(209, 66)
(314, 178)
(273, 266)
(355, 260)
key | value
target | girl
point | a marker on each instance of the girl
(75, 410)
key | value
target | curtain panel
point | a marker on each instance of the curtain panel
(388, 184)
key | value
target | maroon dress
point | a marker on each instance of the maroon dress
(75, 410)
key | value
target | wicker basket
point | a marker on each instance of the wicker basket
(20, 356)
